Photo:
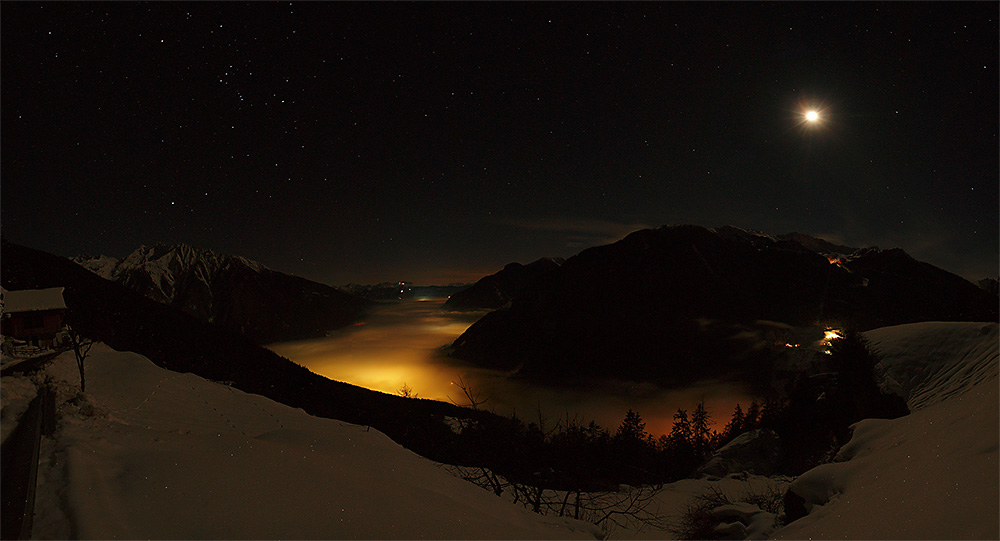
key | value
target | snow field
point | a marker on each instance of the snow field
(932, 474)
(15, 395)
(158, 454)
(149, 453)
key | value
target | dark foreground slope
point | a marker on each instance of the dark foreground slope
(128, 321)
(668, 304)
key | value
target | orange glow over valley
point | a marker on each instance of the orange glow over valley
(400, 344)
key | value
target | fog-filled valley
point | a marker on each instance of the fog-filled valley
(499, 270)
(403, 344)
(731, 426)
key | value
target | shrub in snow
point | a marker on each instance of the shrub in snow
(717, 515)
(86, 406)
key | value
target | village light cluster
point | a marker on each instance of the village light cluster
(829, 336)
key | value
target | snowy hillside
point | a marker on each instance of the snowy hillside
(149, 453)
(932, 474)
(153, 453)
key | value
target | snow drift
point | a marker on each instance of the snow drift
(932, 474)
(150, 453)
(159, 454)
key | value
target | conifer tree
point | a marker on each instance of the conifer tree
(680, 446)
(752, 418)
(735, 425)
(700, 434)
(633, 428)
(680, 433)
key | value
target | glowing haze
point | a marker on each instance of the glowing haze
(401, 344)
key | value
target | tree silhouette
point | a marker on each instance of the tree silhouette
(679, 448)
(681, 431)
(474, 397)
(751, 419)
(81, 347)
(406, 391)
(735, 425)
(633, 428)
(700, 433)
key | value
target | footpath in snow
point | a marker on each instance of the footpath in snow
(149, 453)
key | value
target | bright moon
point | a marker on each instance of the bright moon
(812, 116)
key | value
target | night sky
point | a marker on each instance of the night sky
(436, 142)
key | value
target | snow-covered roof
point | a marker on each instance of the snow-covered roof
(33, 300)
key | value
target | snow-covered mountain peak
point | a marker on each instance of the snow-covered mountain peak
(159, 270)
(163, 268)
(101, 265)
(170, 258)
(233, 291)
(249, 263)
(862, 252)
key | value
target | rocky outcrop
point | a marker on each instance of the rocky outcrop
(757, 451)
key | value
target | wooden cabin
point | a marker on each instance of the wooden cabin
(33, 315)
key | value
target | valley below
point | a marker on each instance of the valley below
(177, 411)
(403, 344)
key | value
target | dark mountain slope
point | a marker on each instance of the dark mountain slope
(904, 290)
(493, 291)
(662, 304)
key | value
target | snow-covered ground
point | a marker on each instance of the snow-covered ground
(149, 453)
(15, 394)
(932, 474)
(152, 453)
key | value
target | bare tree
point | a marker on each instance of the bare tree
(482, 477)
(633, 508)
(474, 397)
(81, 347)
(629, 507)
